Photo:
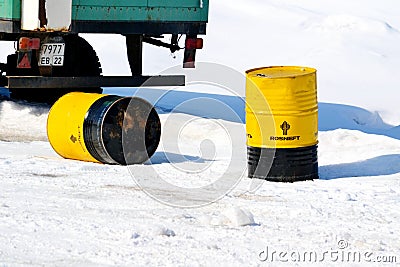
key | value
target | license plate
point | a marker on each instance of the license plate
(52, 55)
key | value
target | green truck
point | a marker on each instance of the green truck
(51, 58)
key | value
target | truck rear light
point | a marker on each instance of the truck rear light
(189, 58)
(194, 43)
(26, 43)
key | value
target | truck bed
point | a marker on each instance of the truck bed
(123, 16)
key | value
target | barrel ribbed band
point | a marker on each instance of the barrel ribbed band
(283, 164)
(92, 127)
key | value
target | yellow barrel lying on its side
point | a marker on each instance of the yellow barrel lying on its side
(282, 123)
(104, 128)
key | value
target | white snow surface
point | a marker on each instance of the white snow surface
(55, 211)
(60, 212)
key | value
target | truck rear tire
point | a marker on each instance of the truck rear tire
(80, 60)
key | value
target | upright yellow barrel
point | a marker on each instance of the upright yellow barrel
(103, 128)
(282, 123)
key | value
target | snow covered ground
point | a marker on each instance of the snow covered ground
(55, 211)
(62, 212)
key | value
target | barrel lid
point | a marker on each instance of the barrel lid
(276, 72)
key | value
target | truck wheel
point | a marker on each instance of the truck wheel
(80, 60)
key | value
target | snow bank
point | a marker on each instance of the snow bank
(22, 121)
(346, 153)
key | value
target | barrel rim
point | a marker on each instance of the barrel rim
(102, 125)
(130, 99)
(111, 159)
(310, 71)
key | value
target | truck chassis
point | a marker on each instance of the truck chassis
(50, 61)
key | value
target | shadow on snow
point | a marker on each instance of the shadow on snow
(383, 165)
(232, 108)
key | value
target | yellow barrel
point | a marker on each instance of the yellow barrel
(103, 128)
(282, 123)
